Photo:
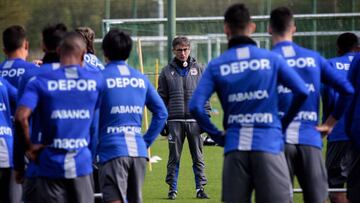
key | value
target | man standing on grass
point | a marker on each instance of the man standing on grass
(177, 82)
(303, 138)
(338, 141)
(122, 148)
(63, 156)
(245, 79)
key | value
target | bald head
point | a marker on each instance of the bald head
(72, 48)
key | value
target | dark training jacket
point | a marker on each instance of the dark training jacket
(176, 91)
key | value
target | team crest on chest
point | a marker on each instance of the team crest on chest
(193, 71)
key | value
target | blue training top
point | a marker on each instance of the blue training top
(352, 117)
(245, 79)
(314, 70)
(35, 133)
(93, 63)
(66, 99)
(127, 92)
(7, 97)
(330, 97)
(13, 69)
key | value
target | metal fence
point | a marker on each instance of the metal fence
(316, 31)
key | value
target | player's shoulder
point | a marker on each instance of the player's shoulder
(25, 64)
(308, 52)
(15, 63)
(121, 69)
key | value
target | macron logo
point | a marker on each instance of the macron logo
(4, 130)
(69, 143)
(251, 118)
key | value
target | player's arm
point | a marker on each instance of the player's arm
(354, 70)
(94, 127)
(289, 78)
(208, 104)
(202, 94)
(329, 98)
(159, 114)
(26, 105)
(22, 117)
(345, 90)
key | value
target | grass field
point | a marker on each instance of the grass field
(155, 189)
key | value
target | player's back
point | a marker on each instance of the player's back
(246, 79)
(121, 111)
(35, 133)
(66, 99)
(308, 64)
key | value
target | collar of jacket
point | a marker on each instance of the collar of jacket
(177, 63)
(51, 57)
(240, 40)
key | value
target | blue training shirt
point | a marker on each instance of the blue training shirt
(330, 97)
(12, 70)
(121, 112)
(245, 79)
(314, 70)
(7, 97)
(35, 133)
(92, 62)
(66, 99)
(352, 117)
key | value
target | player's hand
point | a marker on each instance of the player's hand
(37, 62)
(19, 176)
(165, 131)
(326, 127)
(33, 151)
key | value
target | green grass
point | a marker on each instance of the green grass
(155, 189)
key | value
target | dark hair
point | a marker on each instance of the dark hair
(281, 19)
(52, 35)
(72, 44)
(89, 36)
(347, 42)
(117, 45)
(180, 40)
(237, 17)
(13, 38)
